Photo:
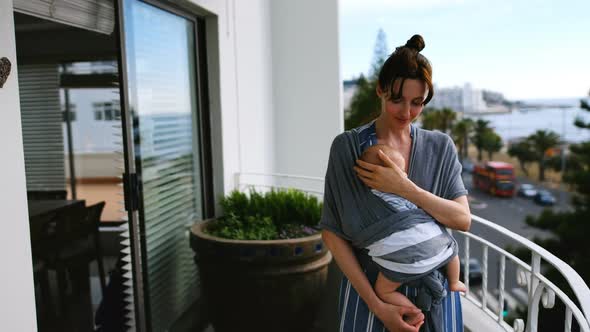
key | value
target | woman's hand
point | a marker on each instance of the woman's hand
(390, 179)
(454, 213)
(392, 317)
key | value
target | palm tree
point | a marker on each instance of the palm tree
(480, 128)
(523, 152)
(541, 141)
(442, 120)
(430, 119)
(492, 142)
(461, 133)
(446, 118)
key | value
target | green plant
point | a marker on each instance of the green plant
(250, 228)
(276, 214)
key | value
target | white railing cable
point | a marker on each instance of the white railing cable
(501, 275)
(309, 184)
(466, 264)
(289, 176)
(484, 285)
(540, 290)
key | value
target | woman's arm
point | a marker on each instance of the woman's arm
(390, 315)
(454, 214)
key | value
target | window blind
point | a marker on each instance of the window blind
(41, 118)
(95, 15)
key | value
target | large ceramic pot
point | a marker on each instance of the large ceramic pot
(271, 285)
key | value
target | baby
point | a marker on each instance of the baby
(394, 273)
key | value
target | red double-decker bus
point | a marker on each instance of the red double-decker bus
(495, 177)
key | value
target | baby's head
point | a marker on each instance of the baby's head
(371, 155)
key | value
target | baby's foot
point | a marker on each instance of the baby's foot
(457, 286)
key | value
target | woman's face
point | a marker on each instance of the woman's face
(404, 110)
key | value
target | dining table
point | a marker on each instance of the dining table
(45, 207)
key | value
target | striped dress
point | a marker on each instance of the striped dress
(353, 312)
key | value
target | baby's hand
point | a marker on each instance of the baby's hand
(413, 318)
(457, 286)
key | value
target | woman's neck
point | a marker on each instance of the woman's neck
(390, 134)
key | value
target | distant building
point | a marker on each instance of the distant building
(473, 100)
(448, 97)
(468, 100)
(464, 99)
(495, 98)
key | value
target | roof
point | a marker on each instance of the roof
(499, 164)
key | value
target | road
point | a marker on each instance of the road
(509, 213)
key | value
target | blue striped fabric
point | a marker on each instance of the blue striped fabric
(397, 202)
(354, 313)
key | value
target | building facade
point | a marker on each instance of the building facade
(464, 99)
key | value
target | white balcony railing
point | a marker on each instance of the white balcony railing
(540, 290)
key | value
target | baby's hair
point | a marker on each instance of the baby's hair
(406, 62)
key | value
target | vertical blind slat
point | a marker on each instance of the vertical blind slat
(41, 119)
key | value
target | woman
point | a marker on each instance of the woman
(433, 182)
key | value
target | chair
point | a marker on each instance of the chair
(40, 273)
(44, 304)
(46, 194)
(93, 220)
(60, 244)
(76, 240)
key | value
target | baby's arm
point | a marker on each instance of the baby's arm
(453, 268)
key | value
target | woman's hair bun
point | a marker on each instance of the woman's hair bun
(416, 43)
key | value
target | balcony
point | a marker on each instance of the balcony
(517, 284)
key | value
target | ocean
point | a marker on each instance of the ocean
(525, 121)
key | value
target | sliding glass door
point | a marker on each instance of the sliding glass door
(164, 152)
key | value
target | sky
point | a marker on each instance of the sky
(523, 49)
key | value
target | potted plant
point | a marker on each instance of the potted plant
(263, 266)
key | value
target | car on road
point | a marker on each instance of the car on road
(467, 166)
(527, 190)
(475, 273)
(544, 197)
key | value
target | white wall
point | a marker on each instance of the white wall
(275, 85)
(254, 84)
(240, 76)
(17, 306)
(94, 165)
(306, 83)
